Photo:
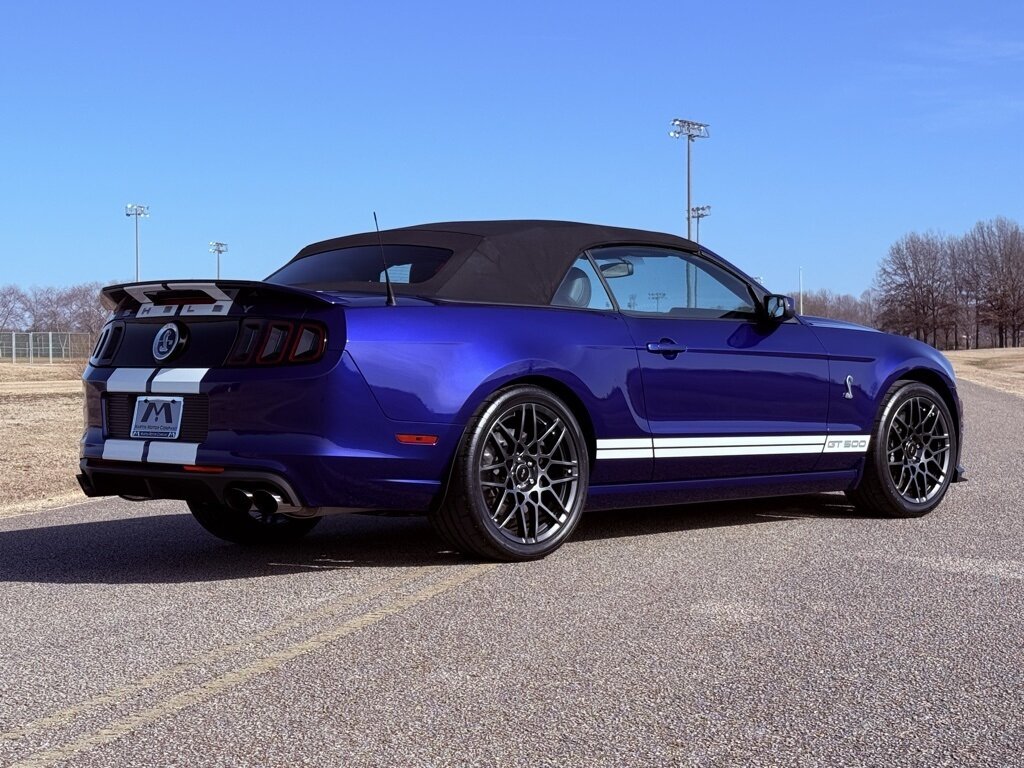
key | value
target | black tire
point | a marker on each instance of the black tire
(250, 528)
(912, 455)
(519, 482)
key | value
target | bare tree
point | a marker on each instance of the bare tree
(838, 306)
(913, 286)
(83, 307)
(76, 308)
(12, 305)
(997, 247)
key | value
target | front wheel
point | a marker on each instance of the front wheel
(520, 478)
(250, 527)
(912, 457)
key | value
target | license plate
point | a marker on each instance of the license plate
(157, 418)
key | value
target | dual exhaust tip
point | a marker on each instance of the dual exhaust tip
(265, 502)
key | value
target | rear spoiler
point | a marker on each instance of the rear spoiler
(202, 292)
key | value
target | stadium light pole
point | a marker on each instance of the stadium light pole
(699, 212)
(218, 248)
(657, 296)
(138, 211)
(692, 131)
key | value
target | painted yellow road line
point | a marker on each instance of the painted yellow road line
(214, 655)
(242, 675)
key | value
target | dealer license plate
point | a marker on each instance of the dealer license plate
(157, 418)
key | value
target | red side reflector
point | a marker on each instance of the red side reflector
(206, 470)
(417, 439)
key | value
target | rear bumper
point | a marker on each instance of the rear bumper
(311, 481)
(319, 439)
(118, 478)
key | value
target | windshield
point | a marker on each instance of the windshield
(346, 268)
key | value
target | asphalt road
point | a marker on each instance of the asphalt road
(782, 632)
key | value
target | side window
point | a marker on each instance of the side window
(581, 288)
(658, 281)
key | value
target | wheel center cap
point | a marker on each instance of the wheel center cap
(524, 474)
(912, 449)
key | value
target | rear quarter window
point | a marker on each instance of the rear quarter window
(346, 267)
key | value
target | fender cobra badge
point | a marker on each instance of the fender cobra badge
(169, 341)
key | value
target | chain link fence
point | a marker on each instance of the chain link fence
(44, 346)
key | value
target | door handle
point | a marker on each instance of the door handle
(666, 347)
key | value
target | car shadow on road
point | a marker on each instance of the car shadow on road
(610, 524)
(172, 548)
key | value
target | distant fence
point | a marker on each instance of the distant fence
(44, 346)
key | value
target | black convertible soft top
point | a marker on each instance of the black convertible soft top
(515, 261)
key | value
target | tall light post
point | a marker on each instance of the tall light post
(692, 131)
(801, 281)
(218, 248)
(138, 211)
(699, 212)
(656, 297)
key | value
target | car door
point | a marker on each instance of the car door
(727, 392)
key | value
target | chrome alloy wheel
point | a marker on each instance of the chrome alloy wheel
(529, 473)
(917, 449)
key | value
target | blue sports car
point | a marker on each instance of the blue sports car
(501, 377)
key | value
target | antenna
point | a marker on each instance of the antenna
(390, 302)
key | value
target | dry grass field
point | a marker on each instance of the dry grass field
(41, 420)
(998, 368)
(40, 425)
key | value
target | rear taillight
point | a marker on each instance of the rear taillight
(107, 343)
(248, 339)
(275, 343)
(271, 342)
(309, 344)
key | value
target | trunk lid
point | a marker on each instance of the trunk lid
(208, 324)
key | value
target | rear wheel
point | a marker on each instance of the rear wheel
(251, 527)
(912, 456)
(520, 478)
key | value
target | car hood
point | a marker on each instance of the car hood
(825, 322)
(901, 352)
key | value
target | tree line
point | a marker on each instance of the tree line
(955, 292)
(75, 308)
(952, 291)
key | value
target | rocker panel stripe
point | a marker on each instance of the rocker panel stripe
(731, 445)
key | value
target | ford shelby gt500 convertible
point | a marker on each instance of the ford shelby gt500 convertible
(501, 376)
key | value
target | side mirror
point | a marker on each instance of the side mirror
(613, 269)
(778, 307)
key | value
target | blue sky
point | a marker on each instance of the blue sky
(835, 128)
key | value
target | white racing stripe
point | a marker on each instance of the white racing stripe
(625, 453)
(138, 292)
(628, 442)
(143, 381)
(166, 381)
(123, 450)
(209, 289)
(175, 380)
(625, 448)
(737, 450)
(738, 440)
(129, 379)
(221, 301)
(731, 445)
(172, 453)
